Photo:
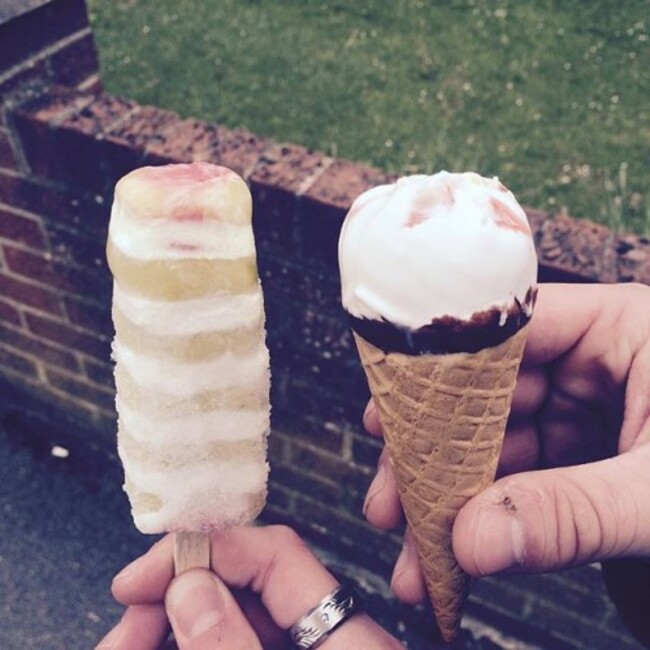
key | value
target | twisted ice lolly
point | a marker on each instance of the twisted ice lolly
(438, 278)
(191, 364)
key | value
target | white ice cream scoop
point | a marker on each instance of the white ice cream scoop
(430, 247)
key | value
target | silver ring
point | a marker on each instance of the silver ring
(310, 630)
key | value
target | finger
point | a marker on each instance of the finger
(270, 635)
(521, 449)
(574, 432)
(596, 335)
(239, 556)
(555, 519)
(636, 424)
(562, 315)
(205, 616)
(275, 563)
(272, 561)
(371, 420)
(408, 580)
(382, 506)
(142, 626)
(531, 391)
(146, 578)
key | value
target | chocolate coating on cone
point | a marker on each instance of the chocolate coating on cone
(448, 335)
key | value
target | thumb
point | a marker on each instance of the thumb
(558, 518)
(205, 616)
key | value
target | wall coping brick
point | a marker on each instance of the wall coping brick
(11, 9)
(284, 175)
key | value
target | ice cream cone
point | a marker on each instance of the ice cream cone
(444, 417)
(438, 279)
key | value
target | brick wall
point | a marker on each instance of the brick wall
(64, 143)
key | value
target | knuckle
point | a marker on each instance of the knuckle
(284, 536)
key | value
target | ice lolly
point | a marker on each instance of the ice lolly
(191, 364)
(438, 278)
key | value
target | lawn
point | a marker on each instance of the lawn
(550, 95)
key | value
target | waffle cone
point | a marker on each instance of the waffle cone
(444, 417)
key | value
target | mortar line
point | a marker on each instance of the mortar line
(45, 52)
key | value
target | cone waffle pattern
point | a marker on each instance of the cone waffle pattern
(443, 418)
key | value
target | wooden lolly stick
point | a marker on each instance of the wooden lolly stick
(191, 551)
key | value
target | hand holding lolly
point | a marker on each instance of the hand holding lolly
(438, 277)
(192, 368)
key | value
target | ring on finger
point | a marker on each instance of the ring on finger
(311, 629)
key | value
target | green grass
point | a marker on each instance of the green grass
(550, 95)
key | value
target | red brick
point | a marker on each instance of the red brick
(55, 273)
(280, 176)
(306, 482)
(9, 314)
(289, 167)
(240, 151)
(315, 430)
(21, 228)
(274, 217)
(93, 85)
(30, 265)
(346, 532)
(144, 127)
(81, 389)
(187, 140)
(75, 62)
(99, 373)
(30, 295)
(633, 258)
(300, 394)
(78, 210)
(66, 139)
(52, 107)
(326, 203)
(88, 315)
(98, 116)
(33, 31)
(191, 139)
(343, 181)
(35, 266)
(572, 250)
(69, 337)
(45, 352)
(278, 445)
(36, 136)
(311, 458)
(280, 501)
(76, 247)
(31, 77)
(77, 151)
(366, 449)
(17, 363)
(7, 155)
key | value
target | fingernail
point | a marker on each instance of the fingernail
(111, 639)
(124, 575)
(499, 542)
(376, 486)
(195, 603)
